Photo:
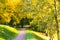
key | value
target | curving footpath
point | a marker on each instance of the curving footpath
(21, 35)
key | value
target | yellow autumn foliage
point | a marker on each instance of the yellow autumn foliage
(50, 1)
(40, 15)
(34, 2)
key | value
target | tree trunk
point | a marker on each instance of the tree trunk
(57, 26)
(55, 16)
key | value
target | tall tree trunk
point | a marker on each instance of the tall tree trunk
(22, 22)
(55, 15)
(57, 26)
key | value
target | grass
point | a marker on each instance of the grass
(7, 33)
(31, 36)
(42, 35)
(39, 35)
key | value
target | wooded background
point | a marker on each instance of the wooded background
(39, 14)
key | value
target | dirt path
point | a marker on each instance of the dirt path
(21, 35)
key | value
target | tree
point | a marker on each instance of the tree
(55, 15)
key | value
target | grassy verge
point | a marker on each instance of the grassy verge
(39, 35)
(7, 33)
(31, 36)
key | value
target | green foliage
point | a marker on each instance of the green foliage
(38, 24)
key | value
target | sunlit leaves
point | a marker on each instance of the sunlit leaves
(57, 3)
(13, 2)
(34, 2)
(4, 17)
(51, 2)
